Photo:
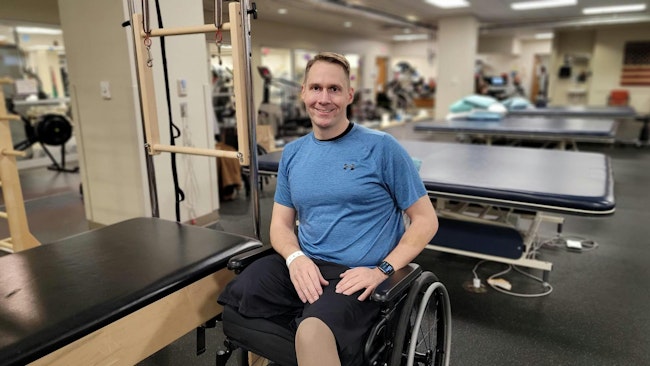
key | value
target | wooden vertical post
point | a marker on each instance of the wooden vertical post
(21, 238)
(239, 79)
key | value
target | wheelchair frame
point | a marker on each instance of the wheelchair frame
(413, 328)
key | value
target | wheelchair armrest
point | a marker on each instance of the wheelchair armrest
(396, 284)
(238, 262)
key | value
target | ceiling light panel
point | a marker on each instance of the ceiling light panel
(614, 9)
(448, 4)
(541, 4)
(410, 37)
(37, 30)
(544, 36)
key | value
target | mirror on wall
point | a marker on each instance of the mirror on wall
(36, 53)
(34, 57)
(282, 71)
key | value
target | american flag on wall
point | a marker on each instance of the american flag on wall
(636, 64)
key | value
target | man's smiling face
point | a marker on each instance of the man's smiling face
(326, 94)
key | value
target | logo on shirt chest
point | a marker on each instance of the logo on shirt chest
(348, 166)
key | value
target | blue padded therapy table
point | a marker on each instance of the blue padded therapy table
(561, 130)
(485, 192)
(114, 295)
(616, 112)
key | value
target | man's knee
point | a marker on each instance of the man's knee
(312, 331)
(315, 344)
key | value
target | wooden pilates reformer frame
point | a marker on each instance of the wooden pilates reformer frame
(20, 236)
(239, 28)
(125, 327)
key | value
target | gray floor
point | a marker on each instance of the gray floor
(597, 313)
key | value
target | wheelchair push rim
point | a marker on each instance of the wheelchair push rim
(423, 336)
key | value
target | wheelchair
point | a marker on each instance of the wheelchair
(413, 327)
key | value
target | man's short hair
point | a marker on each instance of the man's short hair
(331, 57)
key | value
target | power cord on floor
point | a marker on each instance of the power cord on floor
(504, 286)
(570, 243)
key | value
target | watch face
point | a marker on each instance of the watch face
(386, 268)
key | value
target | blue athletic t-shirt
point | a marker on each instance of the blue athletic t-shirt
(349, 194)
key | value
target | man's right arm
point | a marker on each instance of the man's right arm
(283, 235)
(305, 275)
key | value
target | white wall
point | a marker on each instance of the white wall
(458, 38)
(187, 59)
(607, 62)
(109, 131)
(419, 54)
(524, 65)
(603, 51)
(493, 44)
(270, 34)
(30, 11)
(578, 45)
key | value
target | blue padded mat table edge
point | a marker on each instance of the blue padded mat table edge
(577, 111)
(578, 183)
(56, 293)
(540, 127)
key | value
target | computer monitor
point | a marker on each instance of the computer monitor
(497, 81)
(564, 72)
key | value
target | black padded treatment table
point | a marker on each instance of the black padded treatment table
(114, 295)
(520, 182)
(559, 130)
(615, 112)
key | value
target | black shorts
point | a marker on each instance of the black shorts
(265, 290)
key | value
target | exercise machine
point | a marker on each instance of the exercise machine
(287, 118)
(50, 129)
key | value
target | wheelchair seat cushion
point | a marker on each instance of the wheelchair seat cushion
(264, 290)
(265, 337)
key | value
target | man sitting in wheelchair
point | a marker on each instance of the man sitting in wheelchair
(348, 187)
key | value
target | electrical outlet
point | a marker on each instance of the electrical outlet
(181, 85)
(183, 109)
(105, 89)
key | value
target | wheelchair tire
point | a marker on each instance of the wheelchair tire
(423, 336)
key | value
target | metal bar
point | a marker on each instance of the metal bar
(251, 116)
(524, 262)
(218, 13)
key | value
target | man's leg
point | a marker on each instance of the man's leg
(337, 326)
(315, 344)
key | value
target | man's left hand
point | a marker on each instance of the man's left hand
(359, 278)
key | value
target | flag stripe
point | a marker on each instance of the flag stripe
(636, 64)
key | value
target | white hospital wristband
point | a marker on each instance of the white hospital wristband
(293, 256)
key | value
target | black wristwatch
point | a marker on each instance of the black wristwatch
(386, 268)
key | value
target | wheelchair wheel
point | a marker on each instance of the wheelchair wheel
(423, 336)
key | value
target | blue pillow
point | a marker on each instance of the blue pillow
(517, 103)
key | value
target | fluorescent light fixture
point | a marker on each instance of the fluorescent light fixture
(544, 36)
(410, 37)
(540, 4)
(347, 24)
(282, 11)
(36, 30)
(614, 9)
(448, 4)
